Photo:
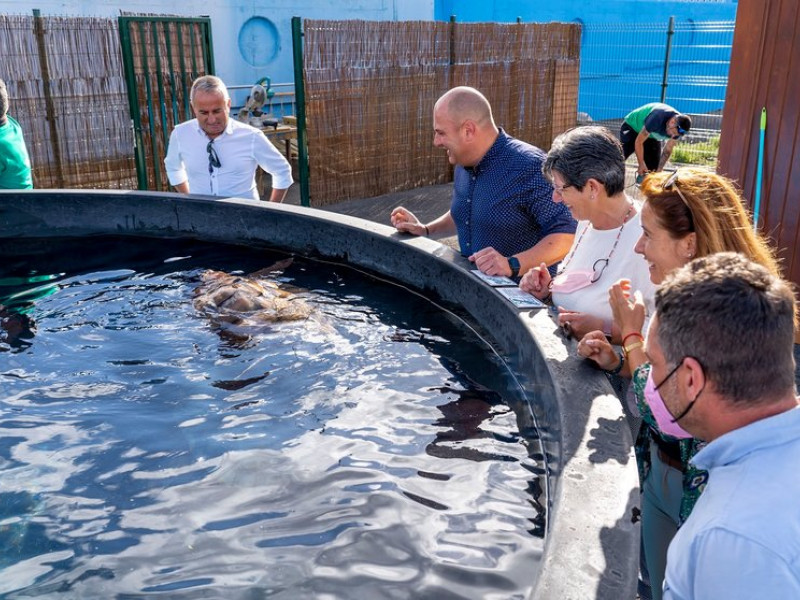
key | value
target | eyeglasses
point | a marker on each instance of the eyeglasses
(568, 281)
(560, 189)
(213, 157)
(597, 271)
(672, 183)
(670, 374)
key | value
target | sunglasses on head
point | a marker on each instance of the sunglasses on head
(671, 183)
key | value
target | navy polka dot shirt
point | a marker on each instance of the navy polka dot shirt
(505, 201)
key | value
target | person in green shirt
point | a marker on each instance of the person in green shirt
(15, 164)
(645, 128)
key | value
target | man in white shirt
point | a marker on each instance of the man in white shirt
(216, 155)
(721, 352)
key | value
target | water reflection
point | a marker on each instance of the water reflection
(16, 329)
(141, 453)
(462, 421)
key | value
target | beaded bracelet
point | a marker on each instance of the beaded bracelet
(618, 368)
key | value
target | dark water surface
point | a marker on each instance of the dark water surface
(372, 452)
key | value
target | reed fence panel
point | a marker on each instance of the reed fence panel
(67, 90)
(370, 88)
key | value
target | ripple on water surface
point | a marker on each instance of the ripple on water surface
(370, 452)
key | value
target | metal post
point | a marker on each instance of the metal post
(151, 113)
(173, 89)
(300, 101)
(162, 103)
(452, 39)
(50, 108)
(133, 101)
(209, 45)
(193, 38)
(670, 33)
(184, 85)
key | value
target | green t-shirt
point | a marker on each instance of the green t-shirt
(653, 117)
(15, 164)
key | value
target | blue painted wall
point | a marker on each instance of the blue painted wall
(587, 11)
(622, 65)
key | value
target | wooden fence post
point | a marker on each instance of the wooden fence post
(38, 29)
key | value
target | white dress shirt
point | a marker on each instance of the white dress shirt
(241, 149)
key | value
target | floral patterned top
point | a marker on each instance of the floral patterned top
(694, 480)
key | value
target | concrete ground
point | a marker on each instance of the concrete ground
(426, 203)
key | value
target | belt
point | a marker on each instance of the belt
(669, 460)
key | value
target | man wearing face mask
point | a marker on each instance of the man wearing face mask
(721, 350)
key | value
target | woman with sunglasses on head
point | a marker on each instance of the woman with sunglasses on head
(587, 170)
(686, 214)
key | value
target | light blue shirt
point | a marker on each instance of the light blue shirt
(241, 149)
(742, 540)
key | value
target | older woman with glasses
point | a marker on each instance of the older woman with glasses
(686, 214)
(587, 169)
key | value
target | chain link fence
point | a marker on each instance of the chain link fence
(684, 64)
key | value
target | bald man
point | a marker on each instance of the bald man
(502, 206)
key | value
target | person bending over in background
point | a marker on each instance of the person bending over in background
(645, 128)
(501, 206)
(216, 155)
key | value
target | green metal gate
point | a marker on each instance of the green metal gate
(161, 56)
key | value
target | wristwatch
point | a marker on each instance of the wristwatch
(513, 263)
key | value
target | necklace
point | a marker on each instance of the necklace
(625, 218)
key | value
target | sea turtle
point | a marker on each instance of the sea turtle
(251, 300)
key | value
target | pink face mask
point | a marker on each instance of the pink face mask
(572, 281)
(663, 417)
